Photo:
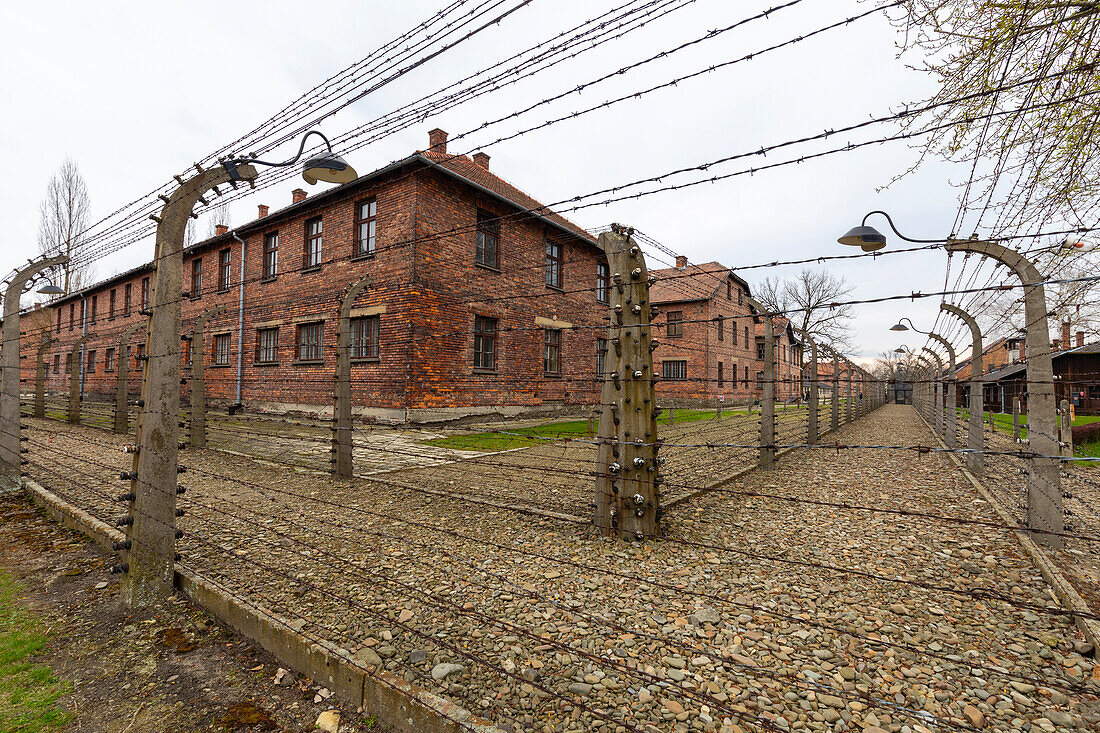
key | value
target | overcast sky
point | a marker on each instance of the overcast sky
(135, 92)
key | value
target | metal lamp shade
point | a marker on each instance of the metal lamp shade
(51, 290)
(868, 238)
(329, 168)
(899, 326)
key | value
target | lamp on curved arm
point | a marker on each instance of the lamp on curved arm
(871, 239)
(328, 167)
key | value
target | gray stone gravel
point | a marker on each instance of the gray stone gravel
(731, 624)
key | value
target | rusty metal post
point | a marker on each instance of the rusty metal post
(767, 397)
(342, 436)
(811, 418)
(148, 555)
(40, 376)
(76, 369)
(628, 478)
(9, 363)
(122, 376)
(975, 439)
(198, 375)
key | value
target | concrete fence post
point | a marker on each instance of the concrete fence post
(975, 438)
(848, 407)
(628, 469)
(767, 397)
(343, 440)
(147, 557)
(9, 363)
(1016, 419)
(948, 389)
(198, 375)
(40, 376)
(834, 418)
(122, 377)
(1044, 485)
(1067, 430)
(76, 366)
(811, 417)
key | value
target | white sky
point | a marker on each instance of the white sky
(135, 92)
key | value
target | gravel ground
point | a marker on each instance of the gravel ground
(754, 612)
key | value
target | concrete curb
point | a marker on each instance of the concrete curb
(1070, 599)
(394, 701)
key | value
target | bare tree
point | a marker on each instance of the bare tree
(1018, 103)
(812, 300)
(190, 234)
(63, 217)
(219, 215)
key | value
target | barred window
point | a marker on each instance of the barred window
(551, 362)
(603, 281)
(271, 255)
(365, 212)
(364, 337)
(221, 349)
(488, 240)
(309, 341)
(674, 369)
(485, 343)
(267, 345)
(311, 256)
(601, 357)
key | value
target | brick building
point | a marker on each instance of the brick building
(475, 304)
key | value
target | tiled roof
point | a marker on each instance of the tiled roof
(686, 284)
(467, 169)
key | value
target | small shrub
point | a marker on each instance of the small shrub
(1087, 433)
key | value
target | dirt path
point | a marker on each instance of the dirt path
(174, 669)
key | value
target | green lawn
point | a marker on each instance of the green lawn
(28, 691)
(537, 434)
(1005, 420)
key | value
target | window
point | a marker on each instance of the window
(309, 341)
(109, 360)
(364, 337)
(553, 263)
(144, 292)
(83, 311)
(674, 369)
(603, 281)
(57, 363)
(58, 320)
(69, 363)
(675, 324)
(1094, 391)
(485, 343)
(221, 349)
(729, 290)
(196, 277)
(271, 255)
(89, 367)
(139, 358)
(126, 300)
(759, 380)
(551, 361)
(267, 345)
(720, 380)
(733, 334)
(488, 239)
(721, 328)
(311, 257)
(740, 296)
(72, 314)
(365, 212)
(746, 376)
(111, 298)
(225, 272)
(760, 351)
(601, 357)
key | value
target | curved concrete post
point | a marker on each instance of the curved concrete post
(198, 375)
(1044, 486)
(122, 376)
(811, 419)
(937, 391)
(975, 438)
(848, 407)
(76, 369)
(834, 418)
(767, 398)
(342, 438)
(149, 560)
(628, 470)
(40, 376)
(9, 362)
(949, 391)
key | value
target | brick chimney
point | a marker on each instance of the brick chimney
(482, 159)
(1065, 334)
(681, 262)
(437, 142)
(262, 209)
(1023, 349)
(1056, 345)
(297, 196)
(1080, 338)
(220, 229)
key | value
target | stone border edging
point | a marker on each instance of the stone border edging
(1067, 595)
(394, 701)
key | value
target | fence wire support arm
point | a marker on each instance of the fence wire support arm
(975, 438)
(627, 465)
